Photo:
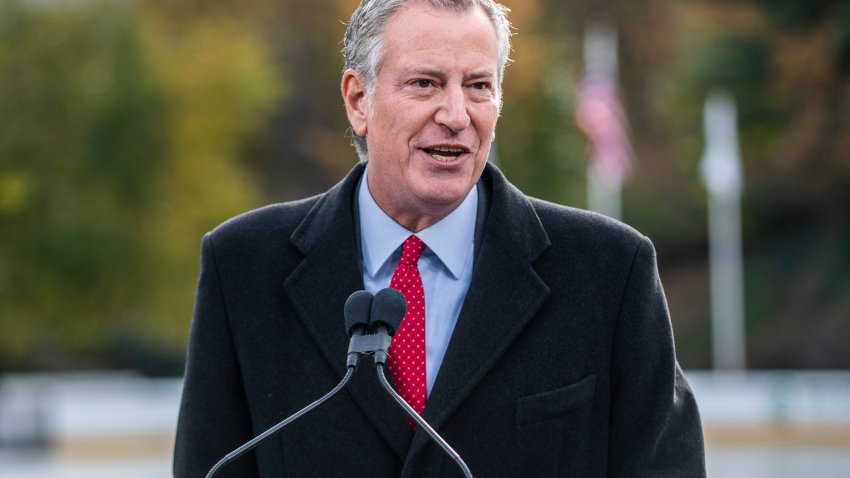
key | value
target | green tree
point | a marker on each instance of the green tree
(119, 146)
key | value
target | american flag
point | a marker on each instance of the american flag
(601, 118)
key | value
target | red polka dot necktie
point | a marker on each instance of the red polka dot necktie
(407, 352)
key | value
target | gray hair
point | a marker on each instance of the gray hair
(364, 39)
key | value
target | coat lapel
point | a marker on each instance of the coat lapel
(329, 272)
(503, 297)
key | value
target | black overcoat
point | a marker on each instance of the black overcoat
(561, 363)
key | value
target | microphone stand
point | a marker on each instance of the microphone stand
(380, 357)
(358, 345)
(255, 441)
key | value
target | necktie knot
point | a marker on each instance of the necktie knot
(411, 250)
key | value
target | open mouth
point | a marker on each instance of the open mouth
(445, 153)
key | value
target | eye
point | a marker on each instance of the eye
(481, 85)
(423, 83)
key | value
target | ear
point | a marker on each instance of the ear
(356, 104)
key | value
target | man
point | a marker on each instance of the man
(547, 343)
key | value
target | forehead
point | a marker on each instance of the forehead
(418, 29)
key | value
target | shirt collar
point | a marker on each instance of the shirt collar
(450, 240)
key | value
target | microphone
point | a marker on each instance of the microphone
(357, 311)
(388, 309)
(386, 314)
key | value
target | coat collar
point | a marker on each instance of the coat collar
(504, 295)
(329, 272)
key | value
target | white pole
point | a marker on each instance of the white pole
(604, 195)
(721, 170)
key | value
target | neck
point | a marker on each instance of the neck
(416, 222)
(415, 219)
(411, 214)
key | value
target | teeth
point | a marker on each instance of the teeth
(447, 149)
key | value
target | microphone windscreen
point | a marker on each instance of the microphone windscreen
(358, 308)
(388, 308)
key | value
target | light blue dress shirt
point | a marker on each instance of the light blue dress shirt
(445, 265)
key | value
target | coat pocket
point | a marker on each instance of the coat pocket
(554, 403)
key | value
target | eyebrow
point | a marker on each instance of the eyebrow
(429, 72)
(475, 75)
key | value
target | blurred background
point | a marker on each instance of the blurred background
(130, 128)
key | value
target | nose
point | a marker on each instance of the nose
(452, 111)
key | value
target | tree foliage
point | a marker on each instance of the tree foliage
(119, 146)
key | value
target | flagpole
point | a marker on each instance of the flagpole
(604, 195)
(600, 116)
(722, 173)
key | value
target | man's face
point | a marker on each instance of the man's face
(431, 116)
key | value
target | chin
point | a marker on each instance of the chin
(447, 196)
